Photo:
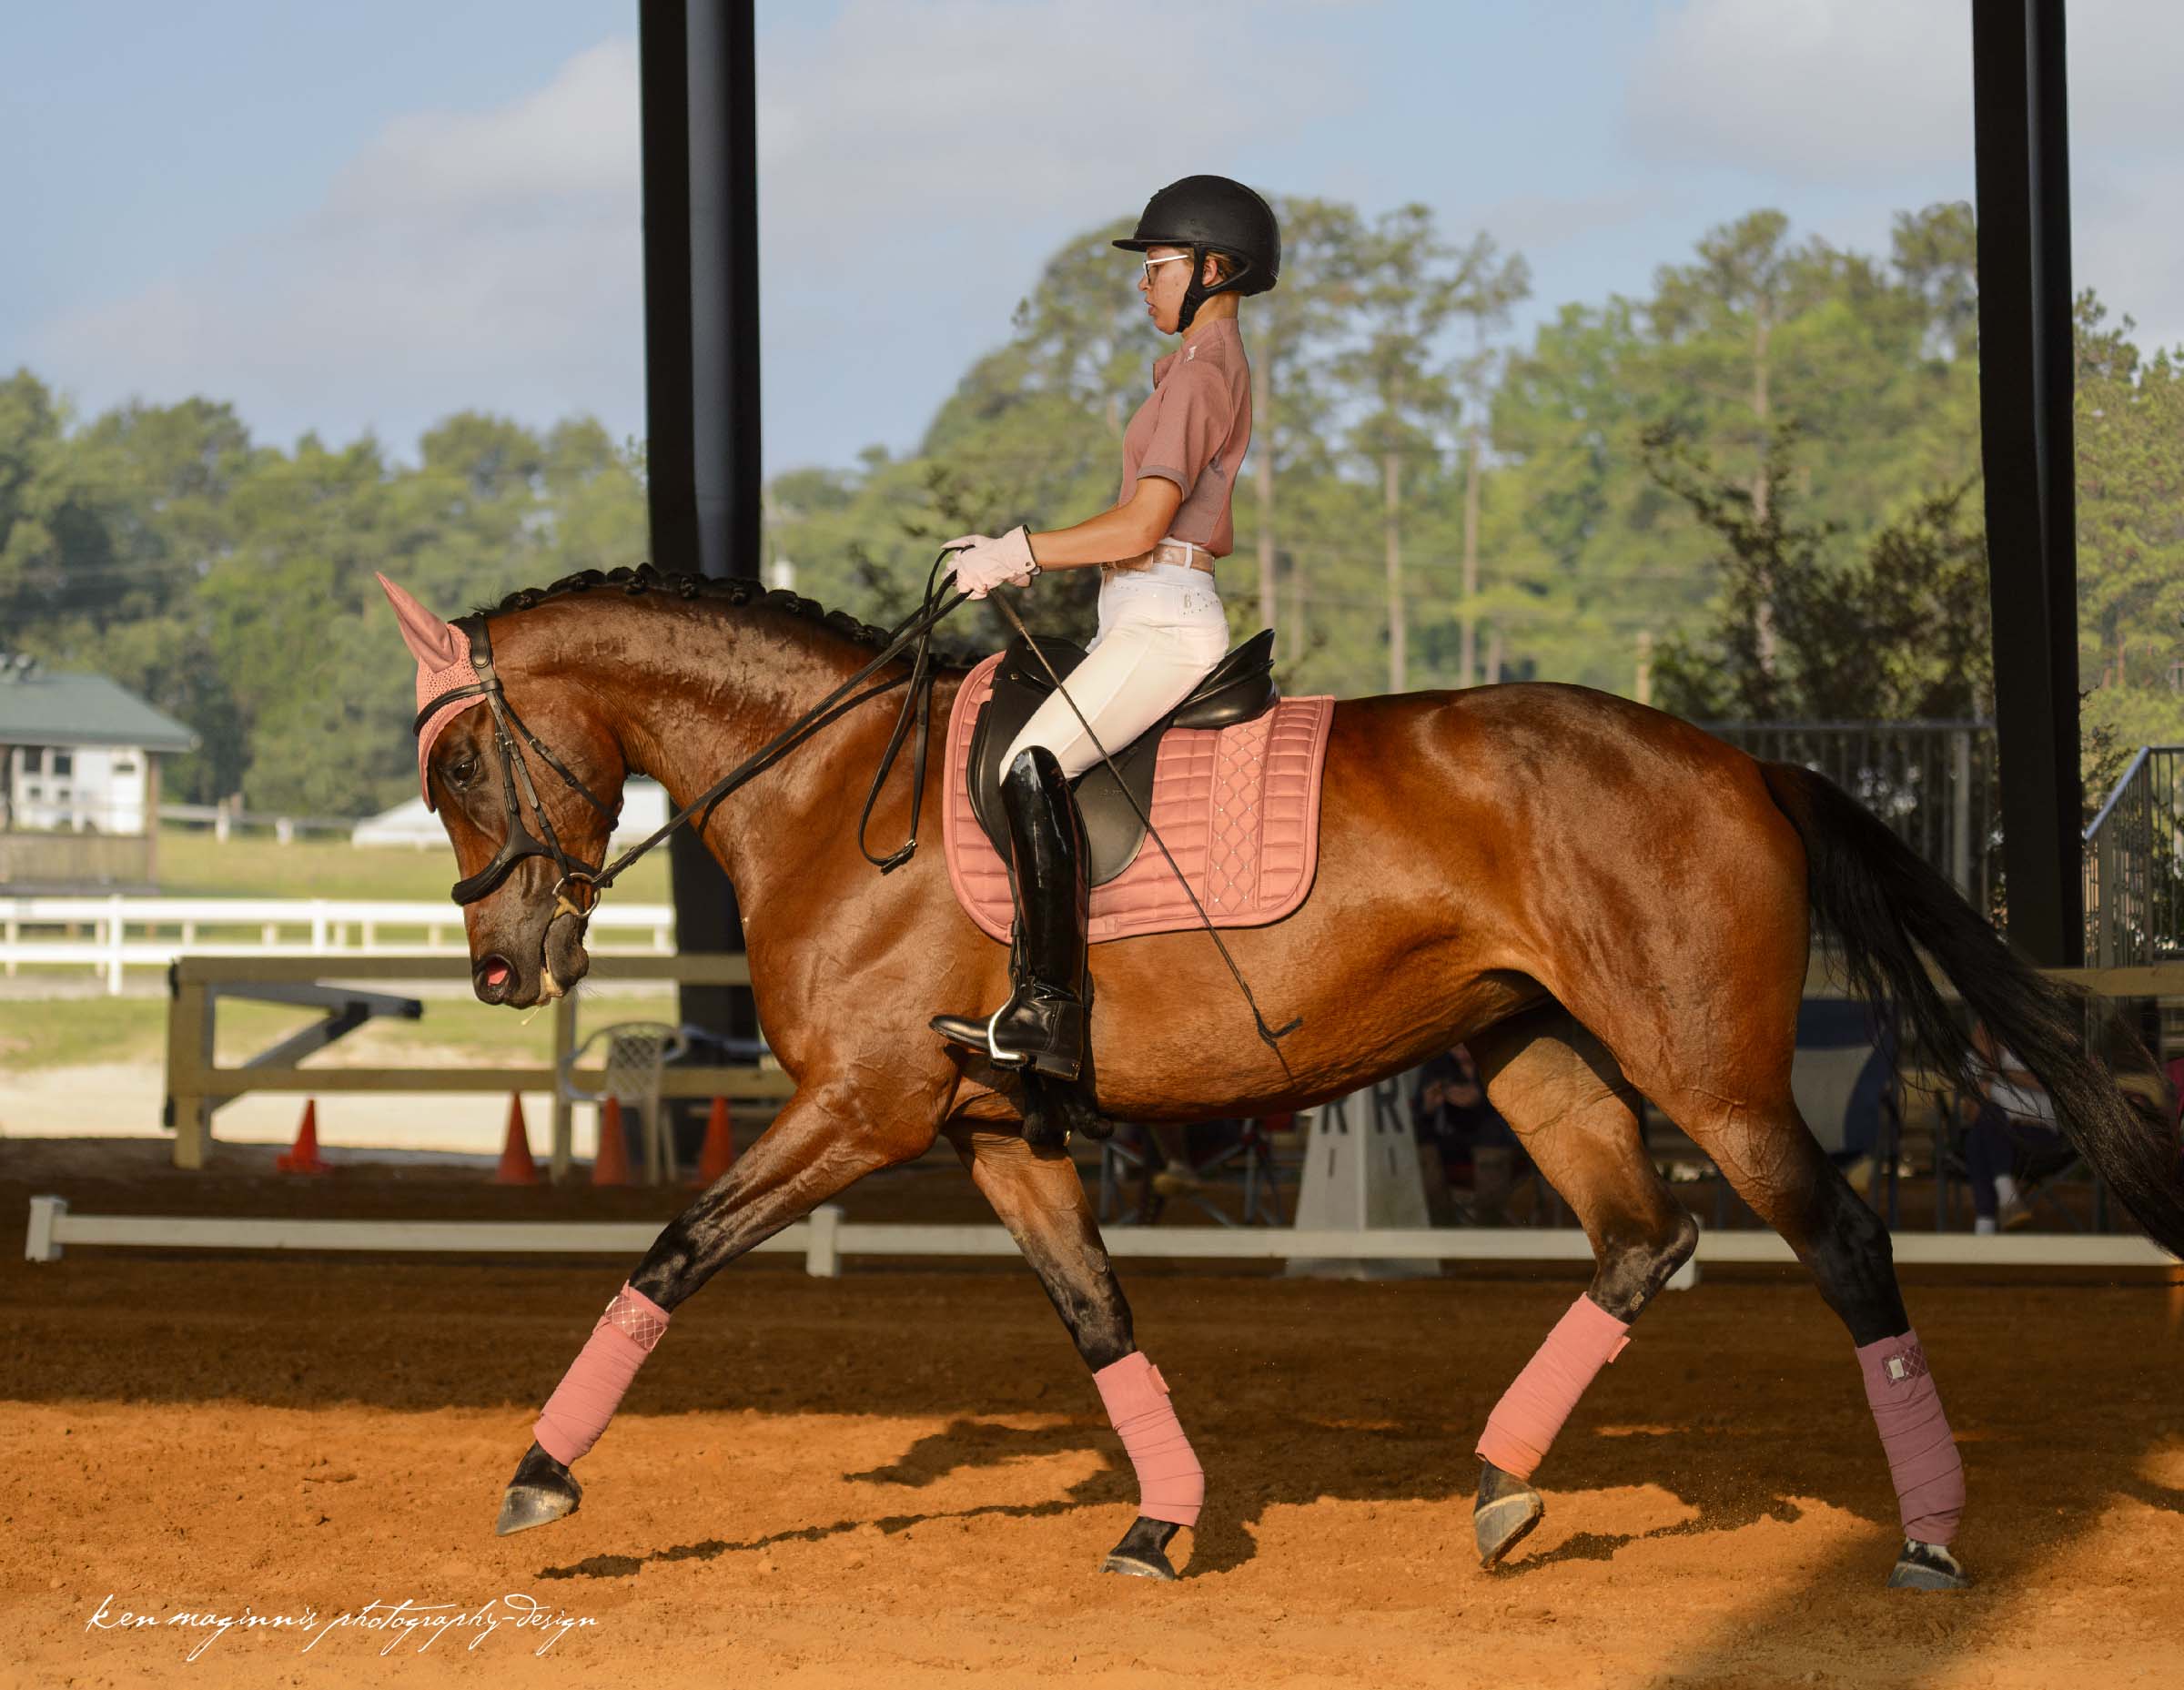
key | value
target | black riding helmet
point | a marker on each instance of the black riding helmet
(1212, 214)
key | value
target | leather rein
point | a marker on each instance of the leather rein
(517, 789)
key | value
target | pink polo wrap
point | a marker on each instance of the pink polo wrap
(443, 664)
(1914, 1433)
(1524, 1424)
(1171, 1485)
(592, 1390)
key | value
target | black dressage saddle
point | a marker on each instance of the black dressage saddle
(1240, 687)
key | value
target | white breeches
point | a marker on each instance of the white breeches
(1161, 632)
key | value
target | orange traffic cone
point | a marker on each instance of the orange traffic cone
(719, 1153)
(304, 1158)
(611, 1166)
(516, 1166)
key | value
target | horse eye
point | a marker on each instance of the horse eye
(463, 770)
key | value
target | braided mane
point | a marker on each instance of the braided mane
(733, 589)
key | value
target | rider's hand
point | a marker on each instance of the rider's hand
(982, 564)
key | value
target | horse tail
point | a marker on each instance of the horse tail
(1884, 903)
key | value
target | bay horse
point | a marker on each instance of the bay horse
(1599, 900)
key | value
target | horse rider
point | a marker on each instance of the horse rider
(1206, 242)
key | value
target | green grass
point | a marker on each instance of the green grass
(194, 864)
(76, 1032)
(70, 1032)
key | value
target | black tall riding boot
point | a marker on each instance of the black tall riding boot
(1043, 1022)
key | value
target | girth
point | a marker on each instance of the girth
(1238, 688)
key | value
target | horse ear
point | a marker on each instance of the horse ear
(432, 641)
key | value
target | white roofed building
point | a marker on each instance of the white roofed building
(79, 780)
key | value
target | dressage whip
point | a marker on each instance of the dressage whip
(1267, 1036)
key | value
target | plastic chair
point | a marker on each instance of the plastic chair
(1134, 1157)
(636, 1052)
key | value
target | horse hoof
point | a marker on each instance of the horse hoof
(1504, 1513)
(1142, 1553)
(1927, 1566)
(541, 1491)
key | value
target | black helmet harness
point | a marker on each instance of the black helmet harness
(1212, 214)
(1196, 292)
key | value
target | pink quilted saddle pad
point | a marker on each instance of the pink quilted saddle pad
(1239, 807)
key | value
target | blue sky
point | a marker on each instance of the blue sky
(353, 219)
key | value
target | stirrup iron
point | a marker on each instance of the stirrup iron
(1004, 1058)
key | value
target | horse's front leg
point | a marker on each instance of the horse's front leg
(1040, 1199)
(827, 1136)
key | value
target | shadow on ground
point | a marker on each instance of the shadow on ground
(1741, 1400)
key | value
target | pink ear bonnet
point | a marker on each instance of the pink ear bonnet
(443, 664)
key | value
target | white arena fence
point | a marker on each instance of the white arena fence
(825, 1238)
(116, 933)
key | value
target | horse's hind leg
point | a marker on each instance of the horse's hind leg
(1692, 975)
(1576, 1114)
(1771, 1160)
(827, 1137)
(1040, 1199)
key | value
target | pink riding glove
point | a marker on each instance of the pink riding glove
(984, 564)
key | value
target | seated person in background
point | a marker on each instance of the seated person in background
(2007, 1112)
(1451, 1116)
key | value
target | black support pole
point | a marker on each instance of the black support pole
(723, 294)
(671, 451)
(701, 322)
(2025, 376)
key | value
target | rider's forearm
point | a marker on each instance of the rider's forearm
(1126, 531)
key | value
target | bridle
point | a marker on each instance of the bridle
(518, 841)
(517, 789)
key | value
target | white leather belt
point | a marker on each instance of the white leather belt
(1168, 550)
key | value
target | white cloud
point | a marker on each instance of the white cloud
(2129, 247)
(1824, 90)
(487, 258)
(1835, 90)
(983, 112)
(917, 163)
(1874, 97)
(1537, 223)
(574, 142)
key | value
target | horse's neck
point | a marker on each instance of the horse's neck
(706, 697)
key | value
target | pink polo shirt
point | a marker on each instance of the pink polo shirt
(1193, 432)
